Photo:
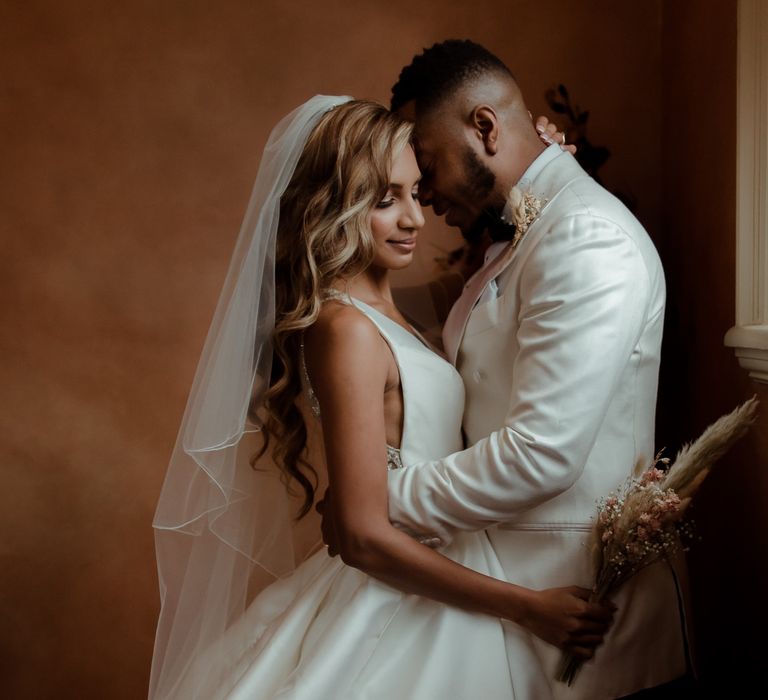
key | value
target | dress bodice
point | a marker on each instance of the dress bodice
(433, 393)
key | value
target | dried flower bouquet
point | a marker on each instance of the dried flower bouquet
(643, 521)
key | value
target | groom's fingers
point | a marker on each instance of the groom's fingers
(320, 505)
(327, 527)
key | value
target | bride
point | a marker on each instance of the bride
(306, 331)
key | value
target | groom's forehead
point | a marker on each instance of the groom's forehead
(431, 131)
(407, 111)
(421, 145)
(426, 124)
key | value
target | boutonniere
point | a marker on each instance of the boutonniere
(524, 208)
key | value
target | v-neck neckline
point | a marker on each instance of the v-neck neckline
(413, 333)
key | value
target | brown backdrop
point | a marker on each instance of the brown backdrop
(130, 136)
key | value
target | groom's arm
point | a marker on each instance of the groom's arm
(586, 295)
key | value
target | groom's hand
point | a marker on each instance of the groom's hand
(327, 525)
(565, 618)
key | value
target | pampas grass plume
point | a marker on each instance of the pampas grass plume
(696, 459)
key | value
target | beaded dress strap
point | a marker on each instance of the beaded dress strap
(331, 294)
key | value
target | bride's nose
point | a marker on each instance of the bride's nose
(412, 216)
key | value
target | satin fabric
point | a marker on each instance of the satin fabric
(560, 370)
(330, 632)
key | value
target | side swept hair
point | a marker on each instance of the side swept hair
(323, 235)
(439, 70)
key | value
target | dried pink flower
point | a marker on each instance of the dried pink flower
(652, 476)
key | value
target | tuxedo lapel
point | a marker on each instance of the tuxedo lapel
(456, 323)
(556, 175)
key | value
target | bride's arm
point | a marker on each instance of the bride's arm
(350, 367)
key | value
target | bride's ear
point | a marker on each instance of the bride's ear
(485, 124)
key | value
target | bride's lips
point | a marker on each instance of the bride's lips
(405, 245)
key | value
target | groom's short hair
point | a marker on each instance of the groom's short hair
(439, 70)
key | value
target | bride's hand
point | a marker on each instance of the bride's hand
(549, 134)
(565, 618)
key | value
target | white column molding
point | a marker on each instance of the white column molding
(749, 337)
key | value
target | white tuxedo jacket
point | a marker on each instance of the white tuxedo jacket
(561, 372)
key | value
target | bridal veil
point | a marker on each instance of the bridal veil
(223, 529)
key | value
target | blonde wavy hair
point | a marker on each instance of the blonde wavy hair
(323, 235)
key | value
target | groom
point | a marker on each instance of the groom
(557, 339)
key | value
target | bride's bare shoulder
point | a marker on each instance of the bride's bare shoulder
(342, 328)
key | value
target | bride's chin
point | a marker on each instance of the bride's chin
(393, 262)
(402, 262)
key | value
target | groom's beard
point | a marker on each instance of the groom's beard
(480, 181)
(490, 221)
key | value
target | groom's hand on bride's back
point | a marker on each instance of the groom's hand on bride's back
(565, 618)
(327, 526)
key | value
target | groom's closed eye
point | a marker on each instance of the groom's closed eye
(424, 185)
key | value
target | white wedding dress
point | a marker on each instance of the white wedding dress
(331, 632)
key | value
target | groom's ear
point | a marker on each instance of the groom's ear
(485, 123)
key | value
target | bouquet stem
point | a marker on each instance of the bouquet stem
(568, 668)
(570, 665)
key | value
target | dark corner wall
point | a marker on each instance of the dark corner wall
(701, 378)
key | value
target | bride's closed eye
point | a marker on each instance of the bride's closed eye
(391, 196)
